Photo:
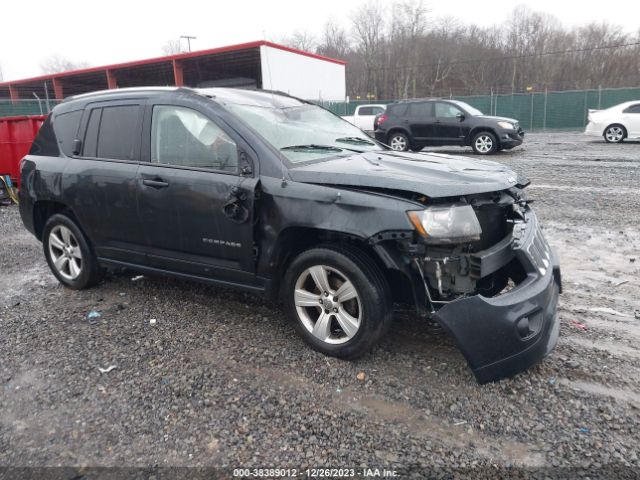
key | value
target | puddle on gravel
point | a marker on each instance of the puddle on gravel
(453, 436)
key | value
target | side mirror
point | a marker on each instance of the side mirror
(77, 147)
(460, 116)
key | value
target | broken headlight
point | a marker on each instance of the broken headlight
(452, 224)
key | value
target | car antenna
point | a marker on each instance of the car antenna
(273, 99)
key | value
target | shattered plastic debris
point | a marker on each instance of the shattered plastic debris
(152, 321)
(106, 370)
(93, 314)
(361, 376)
(584, 430)
(579, 325)
(137, 278)
(460, 423)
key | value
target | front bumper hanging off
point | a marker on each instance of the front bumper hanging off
(503, 335)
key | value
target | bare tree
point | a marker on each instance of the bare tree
(334, 41)
(300, 39)
(57, 63)
(368, 32)
(408, 24)
(172, 47)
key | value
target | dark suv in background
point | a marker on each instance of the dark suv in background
(414, 124)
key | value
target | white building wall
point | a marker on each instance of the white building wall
(302, 76)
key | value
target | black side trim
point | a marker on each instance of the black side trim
(257, 289)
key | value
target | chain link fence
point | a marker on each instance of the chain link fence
(536, 111)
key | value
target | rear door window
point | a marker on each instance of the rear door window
(90, 146)
(421, 110)
(633, 109)
(65, 127)
(118, 133)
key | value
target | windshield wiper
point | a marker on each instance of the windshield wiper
(355, 140)
(313, 148)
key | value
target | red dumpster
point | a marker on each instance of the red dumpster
(16, 135)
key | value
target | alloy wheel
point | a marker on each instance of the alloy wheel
(614, 134)
(398, 142)
(327, 304)
(65, 252)
(484, 144)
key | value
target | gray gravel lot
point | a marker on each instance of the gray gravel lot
(222, 380)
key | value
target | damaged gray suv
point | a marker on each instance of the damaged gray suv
(270, 194)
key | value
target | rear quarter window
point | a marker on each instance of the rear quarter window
(65, 126)
(45, 143)
(397, 109)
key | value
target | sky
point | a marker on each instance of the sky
(114, 31)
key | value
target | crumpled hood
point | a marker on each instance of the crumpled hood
(431, 174)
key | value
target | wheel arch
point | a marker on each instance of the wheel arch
(403, 130)
(294, 240)
(476, 130)
(45, 209)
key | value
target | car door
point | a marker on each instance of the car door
(449, 123)
(631, 118)
(196, 194)
(421, 121)
(100, 179)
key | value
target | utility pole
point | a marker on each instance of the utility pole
(188, 38)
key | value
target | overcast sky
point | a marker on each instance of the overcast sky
(116, 30)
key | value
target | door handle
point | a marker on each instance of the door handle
(155, 183)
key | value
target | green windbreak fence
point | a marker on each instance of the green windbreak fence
(25, 107)
(566, 110)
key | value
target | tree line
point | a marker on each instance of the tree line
(400, 51)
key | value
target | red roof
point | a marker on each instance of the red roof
(168, 58)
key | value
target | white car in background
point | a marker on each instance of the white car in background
(364, 116)
(615, 123)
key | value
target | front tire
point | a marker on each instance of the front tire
(399, 142)
(484, 143)
(614, 134)
(338, 301)
(68, 253)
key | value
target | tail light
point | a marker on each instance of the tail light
(380, 120)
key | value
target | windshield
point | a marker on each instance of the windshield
(305, 132)
(470, 110)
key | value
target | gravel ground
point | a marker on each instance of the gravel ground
(221, 379)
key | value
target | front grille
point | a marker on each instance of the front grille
(529, 238)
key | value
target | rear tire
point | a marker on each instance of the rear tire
(338, 300)
(484, 143)
(68, 253)
(399, 142)
(614, 133)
